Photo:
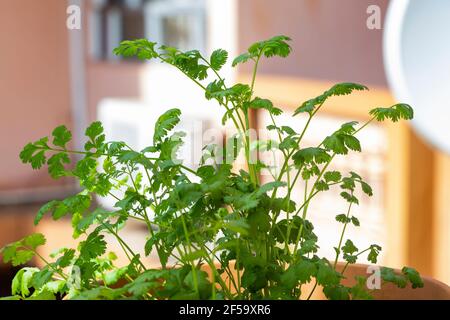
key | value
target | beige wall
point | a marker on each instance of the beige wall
(34, 83)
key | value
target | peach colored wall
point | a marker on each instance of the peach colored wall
(116, 79)
(330, 38)
(120, 80)
(34, 83)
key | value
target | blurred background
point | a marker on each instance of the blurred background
(53, 72)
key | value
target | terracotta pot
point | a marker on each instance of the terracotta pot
(432, 290)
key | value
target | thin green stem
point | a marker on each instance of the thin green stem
(48, 263)
(338, 250)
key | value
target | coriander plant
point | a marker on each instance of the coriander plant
(253, 238)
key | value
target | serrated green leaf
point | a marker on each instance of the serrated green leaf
(61, 136)
(349, 247)
(332, 176)
(355, 221)
(94, 246)
(389, 275)
(242, 58)
(166, 122)
(218, 59)
(366, 188)
(394, 113)
(22, 257)
(337, 90)
(311, 155)
(56, 164)
(373, 253)
(259, 103)
(413, 277)
(342, 218)
(326, 275)
(141, 48)
(48, 207)
(34, 240)
(349, 198)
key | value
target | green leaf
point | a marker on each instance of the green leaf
(53, 287)
(166, 122)
(266, 104)
(42, 277)
(22, 251)
(270, 186)
(96, 137)
(349, 198)
(195, 255)
(218, 59)
(275, 46)
(238, 226)
(326, 275)
(349, 247)
(22, 257)
(339, 142)
(413, 277)
(339, 89)
(311, 155)
(345, 88)
(99, 215)
(366, 188)
(66, 258)
(94, 130)
(94, 246)
(305, 270)
(22, 281)
(296, 224)
(348, 183)
(332, 176)
(342, 218)
(301, 272)
(56, 164)
(200, 282)
(394, 113)
(242, 58)
(115, 275)
(288, 130)
(352, 143)
(321, 186)
(288, 143)
(48, 207)
(308, 246)
(335, 143)
(389, 275)
(359, 290)
(374, 251)
(355, 221)
(34, 240)
(34, 153)
(337, 292)
(61, 136)
(239, 93)
(141, 48)
(348, 127)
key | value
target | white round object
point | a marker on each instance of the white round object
(417, 63)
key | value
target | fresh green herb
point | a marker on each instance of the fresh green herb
(256, 240)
